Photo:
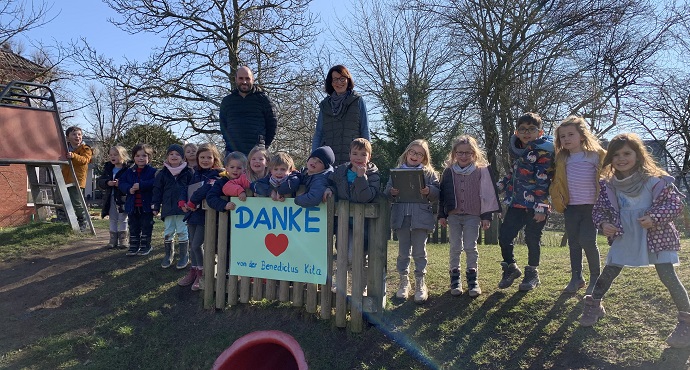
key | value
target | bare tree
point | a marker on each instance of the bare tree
(400, 57)
(185, 79)
(17, 17)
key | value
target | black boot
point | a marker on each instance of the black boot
(472, 283)
(455, 283)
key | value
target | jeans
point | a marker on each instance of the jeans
(582, 234)
(514, 220)
(464, 231)
(140, 227)
(196, 244)
(411, 241)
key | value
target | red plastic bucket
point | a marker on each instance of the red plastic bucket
(269, 349)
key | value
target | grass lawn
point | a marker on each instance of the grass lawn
(103, 310)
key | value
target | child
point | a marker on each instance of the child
(258, 163)
(413, 222)
(467, 202)
(357, 181)
(174, 175)
(635, 211)
(112, 197)
(232, 183)
(137, 183)
(282, 180)
(573, 192)
(314, 177)
(190, 150)
(209, 169)
(527, 191)
(80, 155)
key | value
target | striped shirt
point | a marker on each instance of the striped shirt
(581, 171)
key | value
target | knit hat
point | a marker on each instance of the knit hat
(325, 154)
(176, 148)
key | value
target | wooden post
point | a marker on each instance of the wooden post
(326, 301)
(341, 269)
(222, 254)
(358, 278)
(210, 239)
(379, 227)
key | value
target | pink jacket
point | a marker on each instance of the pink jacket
(667, 204)
(235, 187)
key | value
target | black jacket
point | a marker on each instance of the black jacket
(244, 121)
(102, 183)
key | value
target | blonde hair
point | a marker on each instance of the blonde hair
(124, 156)
(282, 158)
(479, 154)
(259, 148)
(209, 147)
(426, 162)
(590, 142)
(645, 162)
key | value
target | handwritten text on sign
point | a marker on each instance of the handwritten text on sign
(278, 240)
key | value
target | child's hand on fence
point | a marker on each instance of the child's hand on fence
(327, 194)
(395, 192)
(230, 206)
(425, 190)
(608, 229)
(646, 221)
(486, 224)
(242, 196)
(277, 197)
(443, 222)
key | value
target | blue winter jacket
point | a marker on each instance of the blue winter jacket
(145, 179)
(315, 185)
(207, 177)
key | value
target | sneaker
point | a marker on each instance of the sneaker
(592, 311)
(404, 287)
(680, 338)
(421, 293)
(531, 279)
(510, 273)
(132, 251)
(145, 250)
(189, 278)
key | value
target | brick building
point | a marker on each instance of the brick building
(15, 208)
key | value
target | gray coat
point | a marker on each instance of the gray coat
(423, 216)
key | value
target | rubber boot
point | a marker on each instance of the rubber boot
(145, 247)
(199, 281)
(112, 243)
(189, 278)
(576, 282)
(473, 288)
(421, 293)
(183, 247)
(169, 253)
(592, 311)
(122, 239)
(404, 287)
(455, 283)
(680, 338)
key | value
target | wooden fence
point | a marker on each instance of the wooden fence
(221, 290)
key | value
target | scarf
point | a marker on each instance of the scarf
(463, 171)
(275, 182)
(404, 165)
(175, 170)
(630, 186)
(337, 102)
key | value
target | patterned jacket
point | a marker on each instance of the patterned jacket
(527, 185)
(667, 204)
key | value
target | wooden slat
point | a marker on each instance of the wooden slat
(222, 253)
(297, 294)
(326, 295)
(210, 239)
(358, 278)
(270, 289)
(257, 289)
(284, 291)
(245, 289)
(341, 269)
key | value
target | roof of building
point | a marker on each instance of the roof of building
(15, 67)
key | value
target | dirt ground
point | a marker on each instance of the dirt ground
(28, 286)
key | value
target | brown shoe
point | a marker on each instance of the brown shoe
(592, 311)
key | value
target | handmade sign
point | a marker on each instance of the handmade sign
(278, 240)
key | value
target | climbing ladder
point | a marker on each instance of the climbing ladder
(31, 134)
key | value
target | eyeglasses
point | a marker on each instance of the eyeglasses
(415, 153)
(464, 154)
(529, 130)
(340, 79)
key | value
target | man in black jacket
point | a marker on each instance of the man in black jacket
(247, 115)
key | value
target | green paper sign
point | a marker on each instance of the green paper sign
(278, 240)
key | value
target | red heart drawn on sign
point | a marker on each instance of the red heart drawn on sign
(276, 244)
